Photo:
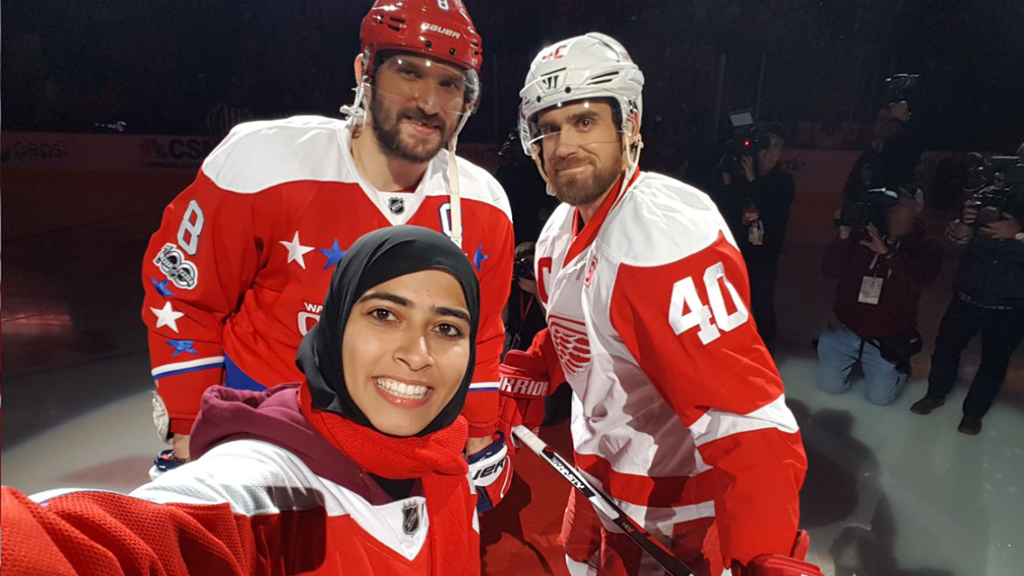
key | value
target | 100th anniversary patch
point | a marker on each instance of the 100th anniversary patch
(178, 270)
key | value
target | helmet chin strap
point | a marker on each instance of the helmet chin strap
(356, 111)
(631, 158)
(454, 195)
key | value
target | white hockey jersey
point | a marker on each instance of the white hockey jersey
(678, 408)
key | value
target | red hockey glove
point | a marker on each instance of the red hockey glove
(490, 470)
(524, 385)
(780, 564)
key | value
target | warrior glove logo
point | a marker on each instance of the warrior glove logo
(524, 387)
(176, 268)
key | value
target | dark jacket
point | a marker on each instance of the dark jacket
(905, 270)
(773, 195)
(991, 273)
(890, 167)
(525, 319)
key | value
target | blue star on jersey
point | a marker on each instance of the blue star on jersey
(479, 257)
(161, 287)
(334, 254)
(182, 346)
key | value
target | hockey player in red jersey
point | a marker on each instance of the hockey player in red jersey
(357, 471)
(678, 409)
(235, 275)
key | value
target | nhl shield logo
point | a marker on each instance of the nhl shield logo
(411, 517)
(396, 205)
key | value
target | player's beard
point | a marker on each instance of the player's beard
(387, 127)
(580, 191)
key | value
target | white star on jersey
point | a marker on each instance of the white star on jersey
(167, 316)
(296, 250)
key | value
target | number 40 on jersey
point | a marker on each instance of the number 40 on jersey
(687, 311)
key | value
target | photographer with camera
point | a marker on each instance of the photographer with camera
(524, 318)
(754, 197)
(882, 258)
(891, 157)
(524, 314)
(988, 292)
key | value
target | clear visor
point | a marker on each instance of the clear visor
(573, 137)
(579, 125)
(434, 86)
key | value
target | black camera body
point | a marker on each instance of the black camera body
(999, 187)
(522, 269)
(901, 88)
(748, 143)
(872, 208)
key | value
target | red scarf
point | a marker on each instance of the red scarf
(436, 459)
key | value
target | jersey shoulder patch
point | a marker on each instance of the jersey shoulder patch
(661, 220)
(259, 155)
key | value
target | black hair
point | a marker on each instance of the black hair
(525, 250)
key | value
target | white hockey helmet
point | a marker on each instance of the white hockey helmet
(594, 65)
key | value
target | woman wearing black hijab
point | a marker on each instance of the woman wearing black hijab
(359, 470)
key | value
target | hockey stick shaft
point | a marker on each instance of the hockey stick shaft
(604, 504)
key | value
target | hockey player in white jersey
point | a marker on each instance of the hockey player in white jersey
(678, 409)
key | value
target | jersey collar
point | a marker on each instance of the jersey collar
(590, 229)
(377, 197)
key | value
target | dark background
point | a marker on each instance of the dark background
(159, 66)
(73, 333)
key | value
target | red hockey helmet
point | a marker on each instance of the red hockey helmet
(439, 29)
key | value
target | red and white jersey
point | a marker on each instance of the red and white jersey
(245, 508)
(268, 494)
(238, 270)
(678, 410)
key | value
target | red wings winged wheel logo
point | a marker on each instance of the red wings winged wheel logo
(571, 343)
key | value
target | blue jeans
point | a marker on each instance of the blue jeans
(839, 350)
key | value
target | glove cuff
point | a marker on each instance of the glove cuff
(490, 473)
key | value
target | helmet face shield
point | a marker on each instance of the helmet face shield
(582, 128)
(436, 87)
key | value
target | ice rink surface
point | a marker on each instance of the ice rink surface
(888, 492)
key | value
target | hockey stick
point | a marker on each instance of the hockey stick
(604, 504)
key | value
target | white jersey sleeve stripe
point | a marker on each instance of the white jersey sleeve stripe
(655, 515)
(715, 424)
(257, 478)
(43, 497)
(190, 366)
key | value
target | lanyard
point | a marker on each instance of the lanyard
(874, 261)
(524, 310)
